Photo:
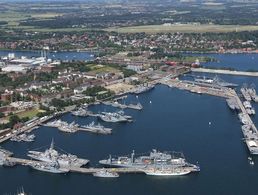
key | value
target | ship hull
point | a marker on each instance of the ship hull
(105, 176)
(51, 170)
(160, 173)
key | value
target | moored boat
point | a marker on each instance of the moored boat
(51, 155)
(49, 167)
(105, 174)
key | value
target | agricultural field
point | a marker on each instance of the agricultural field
(184, 28)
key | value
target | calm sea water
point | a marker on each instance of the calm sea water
(175, 120)
(236, 61)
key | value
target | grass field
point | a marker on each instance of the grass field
(99, 69)
(29, 113)
(184, 28)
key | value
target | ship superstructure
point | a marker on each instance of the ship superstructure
(51, 155)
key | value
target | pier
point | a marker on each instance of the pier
(198, 88)
(90, 170)
(250, 135)
(243, 110)
(228, 72)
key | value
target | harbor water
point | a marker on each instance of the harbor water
(242, 62)
(200, 126)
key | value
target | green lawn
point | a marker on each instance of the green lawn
(29, 113)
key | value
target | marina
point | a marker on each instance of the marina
(219, 125)
(166, 133)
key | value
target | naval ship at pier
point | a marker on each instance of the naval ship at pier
(155, 160)
(51, 155)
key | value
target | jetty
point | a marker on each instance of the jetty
(243, 110)
(199, 88)
(89, 170)
(26, 162)
(228, 72)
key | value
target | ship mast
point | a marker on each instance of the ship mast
(52, 144)
(132, 157)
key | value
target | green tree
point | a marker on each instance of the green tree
(14, 119)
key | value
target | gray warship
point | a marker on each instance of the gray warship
(49, 167)
(112, 117)
(97, 128)
(154, 159)
(232, 103)
(51, 155)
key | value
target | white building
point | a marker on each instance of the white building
(15, 68)
(135, 67)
